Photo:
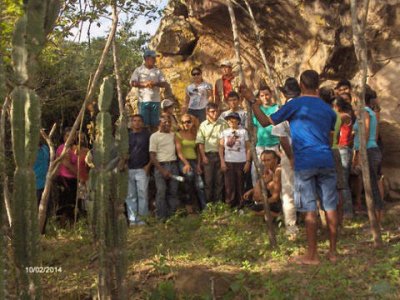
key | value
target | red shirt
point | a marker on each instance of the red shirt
(226, 82)
(345, 135)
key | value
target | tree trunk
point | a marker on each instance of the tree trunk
(3, 176)
(3, 226)
(250, 127)
(262, 53)
(360, 46)
(52, 172)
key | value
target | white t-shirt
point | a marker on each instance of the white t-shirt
(142, 74)
(242, 114)
(163, 144)
(235, 144)
(282, 129)
(198, 95)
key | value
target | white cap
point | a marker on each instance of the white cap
(166, 103)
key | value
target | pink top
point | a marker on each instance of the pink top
(63, 170)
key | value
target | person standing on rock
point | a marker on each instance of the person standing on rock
(311, 123)
(208, 140)
(148, 79)
(198, 94)
(226, 84)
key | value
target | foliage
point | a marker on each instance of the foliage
(10, 10)
(193, 249)
(65, 70)
(94, 11)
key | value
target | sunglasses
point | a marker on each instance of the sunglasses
(187, 122)
(196, 74)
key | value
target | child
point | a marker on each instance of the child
(234, 152)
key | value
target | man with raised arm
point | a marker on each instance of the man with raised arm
(311, 122)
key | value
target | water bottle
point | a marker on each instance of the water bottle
(178, 178)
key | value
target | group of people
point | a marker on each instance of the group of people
(308, 148)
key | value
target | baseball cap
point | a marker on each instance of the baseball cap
(150, 53)
(226, 63)
(233, 115)
(167, 103)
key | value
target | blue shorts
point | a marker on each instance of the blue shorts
(312, 184)
(150, 112)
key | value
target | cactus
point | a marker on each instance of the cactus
(120, 226)
(28, 40)
(25, 121)
(110, 188)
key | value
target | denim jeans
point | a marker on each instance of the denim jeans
(374, 161)
(198, 113)
(346, 155)
(137, 200)
(150, 112)
(312, 183)
(167, 191)
(192, 185)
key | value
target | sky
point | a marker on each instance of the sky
(101, 31)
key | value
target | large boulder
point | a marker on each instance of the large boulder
(297, 35)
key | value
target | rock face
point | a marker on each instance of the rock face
(297, 35)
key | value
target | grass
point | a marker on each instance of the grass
(227, 254)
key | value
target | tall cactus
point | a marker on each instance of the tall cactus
(25, 121)
(110, 188)
(119, 219)
(28, 40)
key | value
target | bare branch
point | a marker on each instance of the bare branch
(360, 47)
(267, 212)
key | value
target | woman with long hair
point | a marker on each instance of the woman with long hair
(189, 161)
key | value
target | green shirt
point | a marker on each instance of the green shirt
(338, 124)
(188, 147)
(209, 133)
(264, 135)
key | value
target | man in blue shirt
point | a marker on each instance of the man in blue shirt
(311, 122)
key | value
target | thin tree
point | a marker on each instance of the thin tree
(360, 47)
(260, 48)
(3, 175)
(267, 213)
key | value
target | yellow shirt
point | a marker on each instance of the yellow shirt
(188, 147)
